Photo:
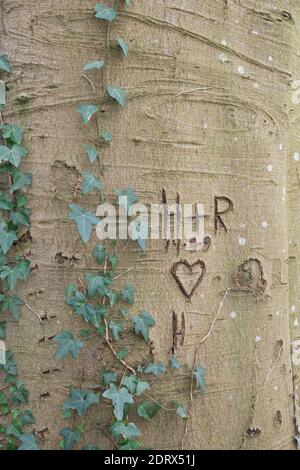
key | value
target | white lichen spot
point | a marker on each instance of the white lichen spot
(242, 241)
(241, 70)
(242, 225)
(224, 42)
(280, 146)
(296, 156)
(257, 339)
(264, 224)
(223, 58)
(254, 31)
(270, 168)
(233, 315)
(296, 322)
(270, 58)
(276, 388)
(277, 313)
(255, 85)
(293, 308)
(205, 125)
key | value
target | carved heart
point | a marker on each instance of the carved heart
(188, 276)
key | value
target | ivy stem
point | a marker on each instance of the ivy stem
(161, 406)
(107, 331)
(35, 313)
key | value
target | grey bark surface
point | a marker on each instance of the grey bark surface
(209, 115)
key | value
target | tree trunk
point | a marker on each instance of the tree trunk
(208, 87)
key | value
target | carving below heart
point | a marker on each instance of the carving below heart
(188, 276)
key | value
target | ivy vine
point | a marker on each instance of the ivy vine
(14, 219)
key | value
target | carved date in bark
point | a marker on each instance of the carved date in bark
(188, 276)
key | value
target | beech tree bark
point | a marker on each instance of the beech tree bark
(211, 117)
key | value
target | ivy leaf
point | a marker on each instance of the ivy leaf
(124, 312)
(10, 366)
(119, 399)
(91, 447)
(87, 111)
(28, 442)
(116, 329)
(13, 133)
(70, 438)
(148, 410)
(90, 182)
(117, 94)
(127, 294)
(129, 444)
(112, 297)
(106, 136)
(130, 382)
(27, 418)
(128, 2)
(92, 153)
(99, 253)
(131, 196)
(19, 271)
(6, 204)
(80, 401)
(4, 64)
(199, 373)
(105, 13)
(21, 217)
(6, 240)
(12, 304)
(155, 369)
(122, 354)
(119, 428)
(2, 331)
(174, 362)
(141, 386)
(124, 46)
(180, 409)
(96, 285)
(142, 323)
(84, 221)
(2, 95)
(67, 344)
(109, 376)
(95, 65)
(17, 152)
(4, 153)
(20, 181)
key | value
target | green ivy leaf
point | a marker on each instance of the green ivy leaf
(12, 275)
(180, 409)
(80, 401)
(90, 182)
(12, 304)
(141, 386)
(4, 64)
(127, 294)
(117, 94)
(84, 221)
(148, 410)
(130, 382)
(129, 444)
(2, 97)
(95, 65)
(87, 111)
(119, 428)
(142, 323)
(105, 13)
(155, 369)
(6, 240)
(124, 46)
(21, 217)
(12, 133)
(112, 297)
(2, 331)
(106, 136)
(174, 362)
(4, 153)
(99, 253)
(6, 203)
(119, 397)
(128, 2)
(10, 366)
(20, 181)
(122, 354)
(28, 442)
(17, 152)
(26, 418)
(97, 285)
(116, 329)
(91, 447)
(68, 344)
(199, 374)
(124, 312)
(70, 438)
(109, 376)
(92, 153)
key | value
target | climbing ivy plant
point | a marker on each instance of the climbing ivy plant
(14, 219)
(101, 306)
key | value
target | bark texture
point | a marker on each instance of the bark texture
(209, 90)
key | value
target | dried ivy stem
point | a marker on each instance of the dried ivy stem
(195, 361)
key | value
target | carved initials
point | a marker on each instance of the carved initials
(219, 223)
